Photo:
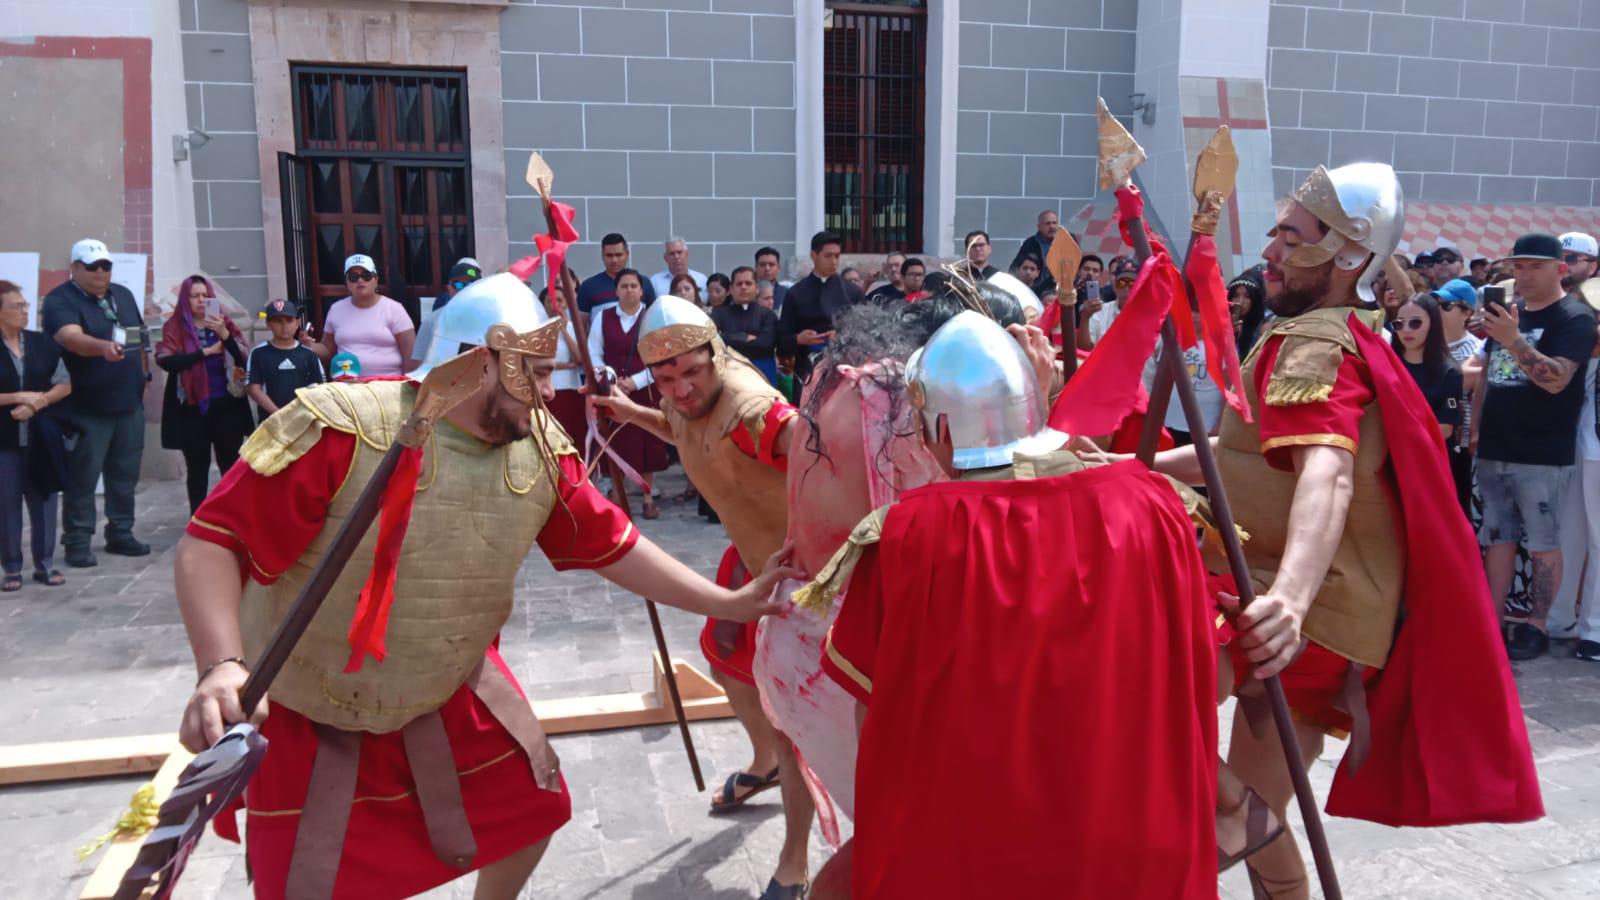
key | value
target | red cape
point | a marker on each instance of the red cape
(1449, 744)
(1042, 717)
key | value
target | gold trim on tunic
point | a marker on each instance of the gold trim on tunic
(1325, 439)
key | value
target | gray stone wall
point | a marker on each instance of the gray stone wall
(1025, 132)
(1488, 101)
(227, 173)
(678, 118)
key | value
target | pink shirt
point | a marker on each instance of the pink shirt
(369, 333)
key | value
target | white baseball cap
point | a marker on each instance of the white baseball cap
(90, 250)
(1578, 242)
(362, 260)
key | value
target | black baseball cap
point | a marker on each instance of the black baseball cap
(464, 271)
(1446, 254)
(281, 309)
(1536, 245)
(1423, 259)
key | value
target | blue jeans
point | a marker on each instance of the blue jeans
(14, 492)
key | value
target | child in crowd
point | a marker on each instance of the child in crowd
(282, 365)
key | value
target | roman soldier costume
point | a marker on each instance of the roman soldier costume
(403, 753)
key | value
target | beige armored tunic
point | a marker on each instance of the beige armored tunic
(472, 524)
(1311, 396)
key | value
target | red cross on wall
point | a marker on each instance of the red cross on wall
(1224, 117)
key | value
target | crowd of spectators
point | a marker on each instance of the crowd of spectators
(1504, 350)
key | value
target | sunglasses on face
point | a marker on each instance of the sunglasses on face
(1451, 307)
(458, 285)
(103, 265)
(1570, 258)
(1407, 324)
(357, 275)
(1124, 281)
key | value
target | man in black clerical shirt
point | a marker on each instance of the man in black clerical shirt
(746, 325)
(806, 324)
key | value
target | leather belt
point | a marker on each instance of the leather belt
(514, 713)
(319, 841)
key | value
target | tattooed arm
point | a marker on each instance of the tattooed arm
(1553, 373)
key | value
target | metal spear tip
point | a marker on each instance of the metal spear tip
(1062, 261)
(1120, 154)
(1217, 166)
(540, 176)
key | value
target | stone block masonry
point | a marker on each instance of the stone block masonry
(673, 119)
(1473, 101)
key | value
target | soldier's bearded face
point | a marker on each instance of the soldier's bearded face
(1291, 290)
(505, 418)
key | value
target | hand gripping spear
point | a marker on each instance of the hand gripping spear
(541, 178)
(219, 774)
(1214, 180)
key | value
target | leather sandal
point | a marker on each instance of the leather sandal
(1261, 827)
(1264, 888)
(729, 798)
(776, 891)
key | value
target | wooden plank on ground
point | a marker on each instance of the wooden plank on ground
(119, 854)
(59, 760)
(702, 700)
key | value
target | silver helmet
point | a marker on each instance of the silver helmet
(1032, 307)
(975, 375)
(673, 326)
(498, 312)
(1363, 205)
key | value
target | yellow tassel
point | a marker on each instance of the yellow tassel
(140, 816)
(1295, 391)
(815, 598)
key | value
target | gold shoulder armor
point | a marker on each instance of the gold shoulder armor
(817, 597)
(370, 411)
(1314, 345)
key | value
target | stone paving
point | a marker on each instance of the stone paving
(106, 656)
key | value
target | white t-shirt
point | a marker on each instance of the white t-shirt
(1206, 391)
(1588, 441)
(566, 379)
(1101, 321)
(369, 333)
(1467, 348)
(662, 282)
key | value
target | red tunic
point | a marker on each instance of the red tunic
(739, 662)
(1038, 662)
(269, 522)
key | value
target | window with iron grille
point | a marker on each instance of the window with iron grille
(381, 167)
(873, 58)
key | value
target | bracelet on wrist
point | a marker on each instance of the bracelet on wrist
(231, 659)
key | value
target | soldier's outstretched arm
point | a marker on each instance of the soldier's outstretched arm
(649, 571)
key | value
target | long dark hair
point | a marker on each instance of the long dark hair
(1435, 352)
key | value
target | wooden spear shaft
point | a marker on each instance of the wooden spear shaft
(619, 494)
(1172, 373)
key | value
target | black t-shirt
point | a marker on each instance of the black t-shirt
(1522, 422)
(886, 295)
(99, 387)
(281, 372)
(1443, 393)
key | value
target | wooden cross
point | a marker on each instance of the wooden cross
(1225, 117)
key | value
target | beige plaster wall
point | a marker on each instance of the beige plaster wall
(63, 174)
(463, 34)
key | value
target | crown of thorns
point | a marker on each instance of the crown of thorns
(966, 288)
